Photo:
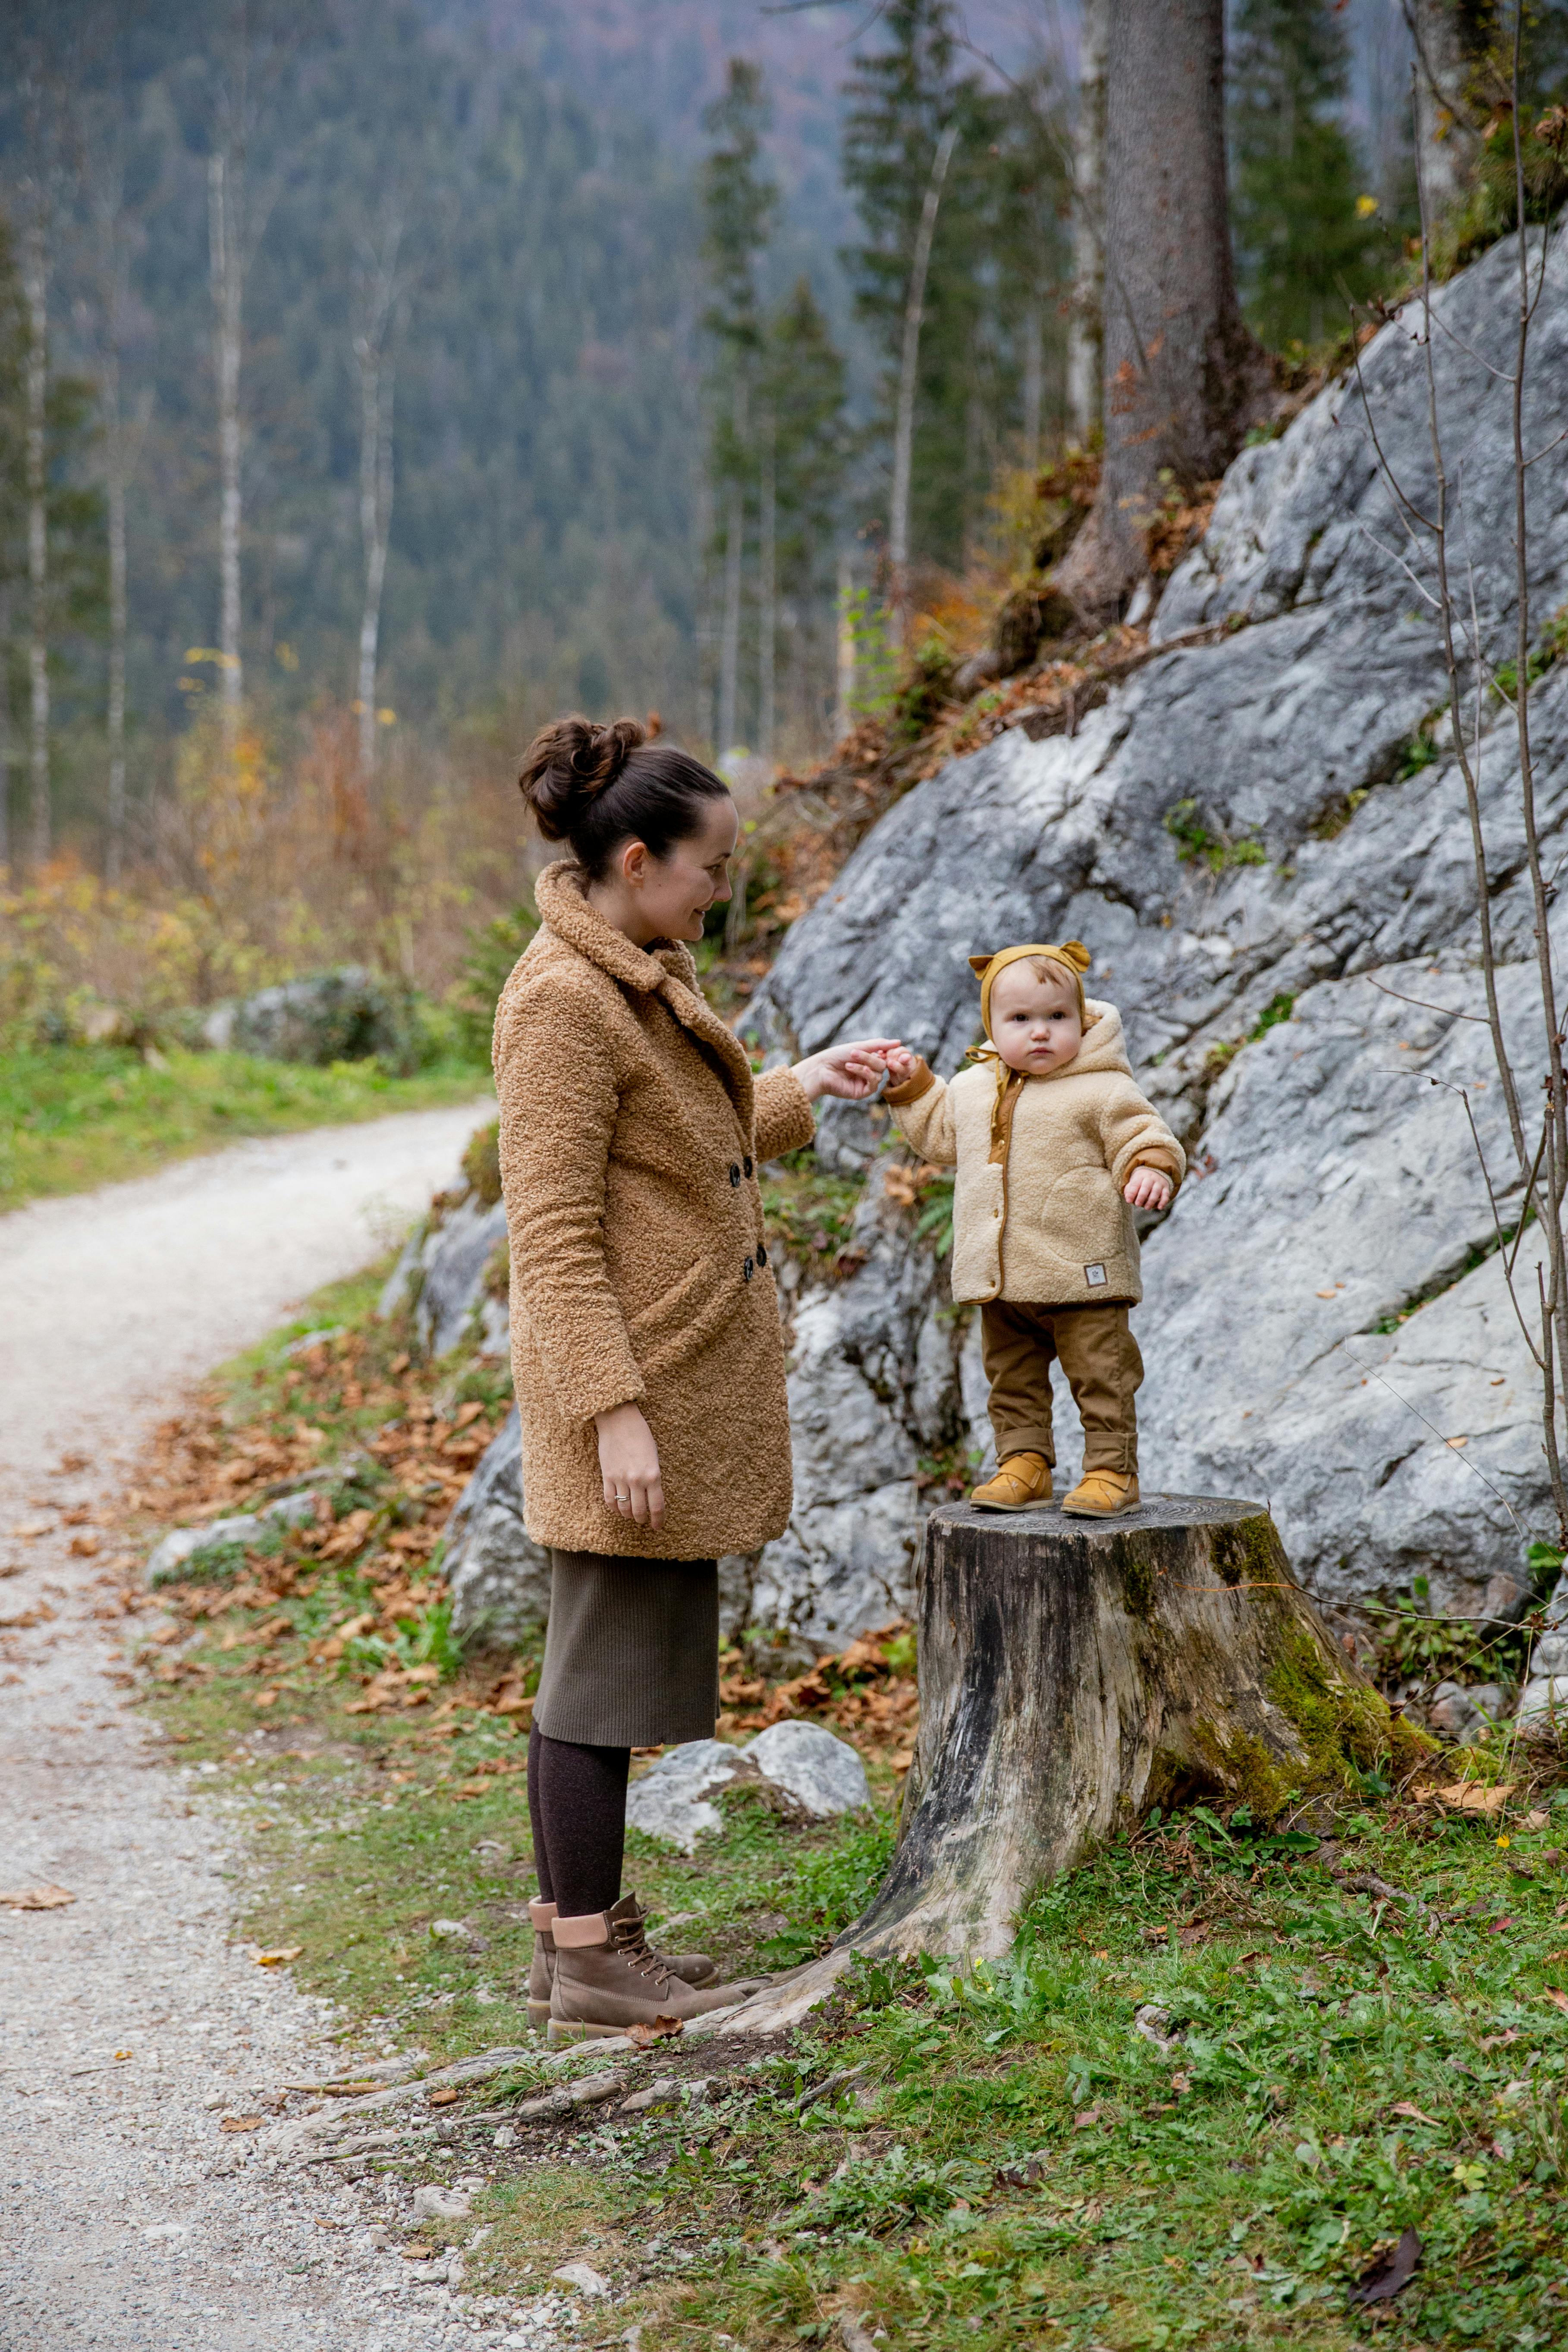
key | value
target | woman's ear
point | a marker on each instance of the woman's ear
(634, 863)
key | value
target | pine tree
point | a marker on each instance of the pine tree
(1303, 244)
(802, 392)
(738, 206)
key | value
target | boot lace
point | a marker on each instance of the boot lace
(634, 1947)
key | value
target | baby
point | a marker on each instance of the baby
(1054, 1148)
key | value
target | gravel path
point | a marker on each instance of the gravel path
(130, 2024)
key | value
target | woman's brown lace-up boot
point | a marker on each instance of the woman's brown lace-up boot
(692, 1968)
(608, 1977)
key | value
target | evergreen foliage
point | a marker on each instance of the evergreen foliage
(1308, 241)
(998, 254)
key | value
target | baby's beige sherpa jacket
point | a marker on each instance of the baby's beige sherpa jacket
(1038, 1218)
(631, 1129)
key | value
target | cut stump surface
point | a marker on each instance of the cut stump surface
(1074, 1674)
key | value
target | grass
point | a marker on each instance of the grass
(1014, 2159)
(73, 1117)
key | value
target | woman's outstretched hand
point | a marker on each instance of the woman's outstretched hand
(628, 1464)
(852, 1072)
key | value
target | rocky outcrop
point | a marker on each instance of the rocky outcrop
(350, 1015)
(498, 1576)
(817, 1775)
(445, 1276)
(1249, 834)
(218, 1548)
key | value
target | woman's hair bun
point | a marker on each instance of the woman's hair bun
(569, 763)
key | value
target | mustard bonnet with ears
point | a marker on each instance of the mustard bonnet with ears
(1072, 955)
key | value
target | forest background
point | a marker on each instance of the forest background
(376, 382)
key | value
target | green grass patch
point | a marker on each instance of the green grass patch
(73, 1117)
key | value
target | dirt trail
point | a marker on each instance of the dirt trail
(130, 2025)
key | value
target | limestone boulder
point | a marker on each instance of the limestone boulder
(498, 1576)
(348, 1015)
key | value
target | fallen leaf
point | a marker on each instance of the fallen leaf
(1390, 2274)
(1536, 1819)
(1455, 1442)
(86, 1547)
(1498, 1927)
(267, 1698)
(278, 1959)
(1558, 1999)
(1090, 2116)
(1406, 2108)
(444, 2098)
(34, 1528)
(37, 1898)
(241, 2123)
(663, 2029)
(417, 2253)
(1020, 2176)
(1469, 1797)
(1328, 1294)
(903, 1761)
(121, 2053)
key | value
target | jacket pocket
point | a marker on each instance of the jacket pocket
(1084, 1218)
(685, 1318)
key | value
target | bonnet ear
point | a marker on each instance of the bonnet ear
(977, 965)
(1074, 953)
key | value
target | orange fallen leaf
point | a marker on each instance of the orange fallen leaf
(85, 1547)
(1558, 1999)
(1469, 1797)
(122, 2053)
(37, 1898)
(1455, 1442)
(903, 1761)
(663, 2029)
(241, 2123)
(279, 1959)
(444, 2098)
(267, 1698)
(1328, 1294)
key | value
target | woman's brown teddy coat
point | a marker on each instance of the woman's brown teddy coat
(630, 1133)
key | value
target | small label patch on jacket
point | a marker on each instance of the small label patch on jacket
(1094, 1276)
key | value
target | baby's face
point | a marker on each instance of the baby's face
(1034, 1022)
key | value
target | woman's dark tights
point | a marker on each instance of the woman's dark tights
(577, 1803)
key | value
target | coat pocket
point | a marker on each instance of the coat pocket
(1084, 1220)
(684, 1320)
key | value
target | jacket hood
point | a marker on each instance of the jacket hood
(563, 908)
(1103, 1048)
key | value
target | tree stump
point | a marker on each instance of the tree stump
(1074, 1674)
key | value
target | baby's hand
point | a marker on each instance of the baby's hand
(901, 1063)
(1146, 1187)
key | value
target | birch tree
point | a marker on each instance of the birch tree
(380, 294)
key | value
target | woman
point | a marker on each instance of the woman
(646, 1345)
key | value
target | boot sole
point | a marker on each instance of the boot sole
(1094, 1511)
(539, 2015)
(1033, 1504)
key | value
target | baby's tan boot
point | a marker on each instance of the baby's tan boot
(691, 1968)
(1100, 1494)
(1022, 1484)
(607, 1977)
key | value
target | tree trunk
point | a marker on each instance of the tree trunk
(767, 592)
(1179, 366)
(36, 293)
(1086, 321)
(909, 379)
(1448, 39)
(5, 750)
(226, 232)
(115, 470)
(843, 649)
(1076, 1672)
(730, 635)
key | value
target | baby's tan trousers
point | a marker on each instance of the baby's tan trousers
(1099, 1354)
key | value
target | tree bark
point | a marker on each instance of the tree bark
(1073, 1674)
(1086, 321)
(909, 380)
(36, 294)
(115, 473)
(730, 632)
(767, 590)
(843, 649)
(376, 360)
(226, 234)
(1447, 37)
(1179, 366)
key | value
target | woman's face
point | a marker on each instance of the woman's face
(669, 897)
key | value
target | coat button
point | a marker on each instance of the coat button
(762, 1254)
(734, 1171)
(747, 1271)
(746, 1164)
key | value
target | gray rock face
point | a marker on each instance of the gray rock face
(1322, 1324)
(1464, 1712)
(198, 1552)
(672, 1799)
(499, 1578)
(441, 1273)
(1543, 1710)
(339, 1016)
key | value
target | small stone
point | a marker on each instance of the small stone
(583, 2277)
(822, 1773)
(434, 2204)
